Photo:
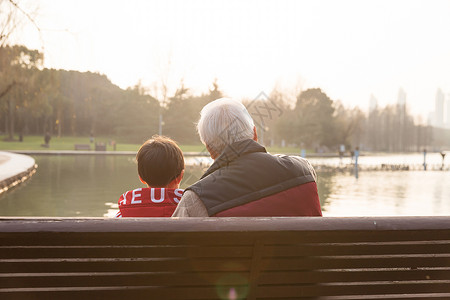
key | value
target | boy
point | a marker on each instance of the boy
(161, 167)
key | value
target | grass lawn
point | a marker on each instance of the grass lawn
(62, 143)
(68, 142)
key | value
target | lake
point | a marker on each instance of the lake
(90, 186)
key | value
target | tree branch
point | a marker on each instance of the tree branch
(26, 14)
(7, 89)
(29, 18)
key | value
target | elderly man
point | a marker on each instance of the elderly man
(245, 180)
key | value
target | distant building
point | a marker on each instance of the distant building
(401, 100)
(401, 103)
(373, 103)
(439, 109)
(447, 115)
(430, 118)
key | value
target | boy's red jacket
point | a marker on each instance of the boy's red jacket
(149, 202)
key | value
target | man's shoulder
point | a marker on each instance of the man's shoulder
(293, 158)
(299, 162)
(190, 206)
(299, 159)
(190, 196)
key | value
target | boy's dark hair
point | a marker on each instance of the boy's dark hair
(160, 161)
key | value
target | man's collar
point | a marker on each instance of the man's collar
(234, 151)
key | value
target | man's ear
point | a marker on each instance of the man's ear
(255, 135)
(212, 153)
(142, 180)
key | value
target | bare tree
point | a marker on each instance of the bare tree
(287, 89)
(8, 21)
(160, 89)
(12, 17)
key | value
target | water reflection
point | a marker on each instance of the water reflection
(90, 186)
(325, 186)
(385, 193)
(71, 186)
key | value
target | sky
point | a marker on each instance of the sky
(350, 49)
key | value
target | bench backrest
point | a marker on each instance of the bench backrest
(225, 258)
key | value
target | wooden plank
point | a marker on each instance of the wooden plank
(214, 239)
(187, 293)
(314, 224)
(445, 296)
(274, 292)
(373, 248)
(222, 292)
(122, 264)
(177, 279)
(352, 276)
(126, 238)
(192, 293)
(209, 238)
(340, 262)
(355, 236)
(91, 279)
(193, 251)
(194, 279)
(270, 292)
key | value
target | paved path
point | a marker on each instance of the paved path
(3, 158)
(12, 164)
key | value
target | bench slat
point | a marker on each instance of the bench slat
(127, 239)
(124, 251)
(264, 292)
(404, 275)
(339, 262)
(117, 265)
(357, 236)
(275, 292)
(435, 296)
(319, 249)
(232, 264)
(134, 292)
(212, 238)
(10, 280)
(173, 279)
(439, 247)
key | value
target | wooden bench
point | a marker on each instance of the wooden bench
(82, 147)
(225, 258)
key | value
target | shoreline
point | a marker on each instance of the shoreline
(15, 169)
(186, 154)
(203, 159)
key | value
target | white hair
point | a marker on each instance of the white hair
(222, 122)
